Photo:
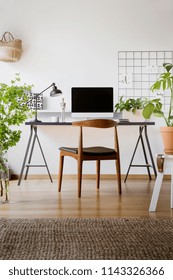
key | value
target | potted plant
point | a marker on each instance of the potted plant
(131, 108)
(13, 111)
(164, 82)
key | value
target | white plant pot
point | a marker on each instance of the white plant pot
(133, 117)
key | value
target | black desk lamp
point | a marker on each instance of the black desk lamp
(55, 92)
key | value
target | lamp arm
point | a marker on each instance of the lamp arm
(36, 96)
(36, 120)
(53, 84)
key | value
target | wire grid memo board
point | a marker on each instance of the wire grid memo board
(138, 70)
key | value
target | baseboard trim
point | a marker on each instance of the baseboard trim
(90, 176)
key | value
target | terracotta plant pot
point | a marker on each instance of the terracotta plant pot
(167, 136)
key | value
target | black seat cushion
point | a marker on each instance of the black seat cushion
(92, 151)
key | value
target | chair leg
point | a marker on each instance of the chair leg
(156, 192)
(118, 168)
(98, 173)
(61, 163)
(79, 177)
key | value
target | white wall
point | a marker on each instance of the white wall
(75, 43)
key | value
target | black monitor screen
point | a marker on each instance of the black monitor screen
(92, 100)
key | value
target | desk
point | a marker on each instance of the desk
(142, 129)
(34, 137)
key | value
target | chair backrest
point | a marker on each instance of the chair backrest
(97, 123)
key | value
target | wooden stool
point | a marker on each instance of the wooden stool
(164, 162)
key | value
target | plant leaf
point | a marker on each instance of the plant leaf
(167, 66)
(156, 85)
(148, 110)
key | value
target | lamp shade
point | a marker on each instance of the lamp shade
(55, 91)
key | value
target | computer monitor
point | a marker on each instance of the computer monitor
(92, 102)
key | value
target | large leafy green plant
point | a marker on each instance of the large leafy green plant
(164, 82)
(13, 112)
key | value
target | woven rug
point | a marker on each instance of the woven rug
(86, 239)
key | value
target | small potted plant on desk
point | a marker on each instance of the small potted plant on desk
(164, 82)
(13, 111)
(131, 108)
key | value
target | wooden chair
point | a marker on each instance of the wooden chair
(96, 153)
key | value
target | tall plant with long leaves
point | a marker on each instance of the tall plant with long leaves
(164, 82)
(13, 112)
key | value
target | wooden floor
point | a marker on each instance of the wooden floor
(40, 199)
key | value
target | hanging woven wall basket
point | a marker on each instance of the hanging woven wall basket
(10, 48)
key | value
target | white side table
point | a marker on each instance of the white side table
(164, 162)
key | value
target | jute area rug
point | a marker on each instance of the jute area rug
(86, 239)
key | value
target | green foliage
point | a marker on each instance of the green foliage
(130, 104)
(13, 111)
(154, 107)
